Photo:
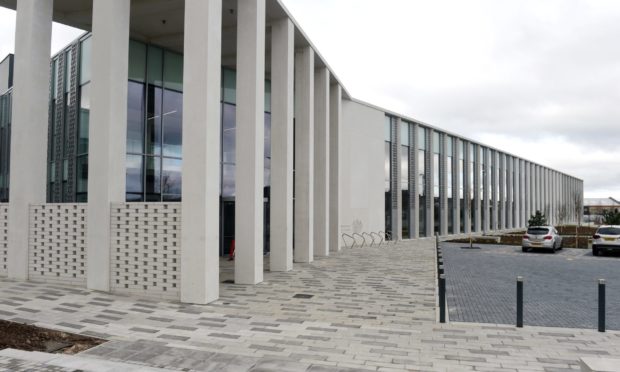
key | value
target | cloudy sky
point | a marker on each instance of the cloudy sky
(540, 79)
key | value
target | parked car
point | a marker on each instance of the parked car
(541, 237)
(606, 238)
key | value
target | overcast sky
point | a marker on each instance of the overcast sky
(540, 79)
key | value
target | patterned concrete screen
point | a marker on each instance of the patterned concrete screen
(146, 249)
(4, 238)
(57, 247)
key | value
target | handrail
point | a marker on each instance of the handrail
(379, 235)
(363, 239)
(345, 242)
(371, 237)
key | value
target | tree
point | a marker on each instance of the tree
(537, 219)
(611, 217)
(578, 213)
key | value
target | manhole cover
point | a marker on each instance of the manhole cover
(303, 295)
(229, 281)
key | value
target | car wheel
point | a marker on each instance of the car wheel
(523, 249)
(594, 251)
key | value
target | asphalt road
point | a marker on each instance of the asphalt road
(560, 290)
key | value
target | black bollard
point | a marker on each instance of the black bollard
(442, 298)
(519, 301)
(601, 305)
(441, 270)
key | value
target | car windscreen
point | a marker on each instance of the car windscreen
(609, 231)
(537, 230)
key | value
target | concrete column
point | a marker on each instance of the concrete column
(516, 222)
(414, 185)
(456, 218)
(249, 175)
(430, 190)
(509, 191)
(477, 188)
(335, 123)
(502, 194)
(321, 162)
(494, 196)
(467, 187)
(397, 215)
(108, 124)
(304, 155)
(282, 106)
(486, 217)
(28, 159)
(443, 185)
(201, 152)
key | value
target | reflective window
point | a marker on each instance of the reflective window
(85, 60)
(135, 178)
(84, 119)
(422, 181)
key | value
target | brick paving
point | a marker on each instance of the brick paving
(372, 308)
(560, 290)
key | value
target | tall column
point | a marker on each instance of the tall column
(282, 106)
(516, 223)
(486, 217)
(494, 196)
(397, 219)
(107, 131)
(304, 155)
(467, 186)
(430, 189)
(509, 191)
(249, 175)
(414, 185)
(477, 188)
(321, 162)
(456, 192)
(502, 191)
(335, 122)
(201, 151)
(29, 128)
(443, 185)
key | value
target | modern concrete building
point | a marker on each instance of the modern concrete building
(173, 130)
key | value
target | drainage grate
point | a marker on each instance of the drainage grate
(229, 281)
(303, 295)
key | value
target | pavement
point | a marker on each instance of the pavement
(370, 308)
(560, 289)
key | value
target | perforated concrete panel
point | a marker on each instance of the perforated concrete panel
(146, 249)
(4, 237)
(57, 244)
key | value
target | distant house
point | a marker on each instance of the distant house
(593, 208)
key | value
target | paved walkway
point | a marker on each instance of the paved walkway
(560, 290)
(371, 309)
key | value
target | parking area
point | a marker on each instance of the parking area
(560, 289)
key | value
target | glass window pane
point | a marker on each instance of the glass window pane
(153, 121)
(404, 133)
(54, 79)
(387, 171)
(137, 61)
(84, 119)
(82, 174)
(228, 180)
(85, 53)
(228, 133)
(387, 129)
(173, 119)
(436, 143)
(135, 177)
(152, 181)
(404, 168)
(173, 71)
(421, 138)
(155, 66)
(230, 83)
(267, 135)
(67, 82)
(171, 177)
(267, 96)
(135, 118)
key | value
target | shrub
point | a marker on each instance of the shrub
(537, 219)
(611, 217)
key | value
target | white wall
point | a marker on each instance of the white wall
(362, 188)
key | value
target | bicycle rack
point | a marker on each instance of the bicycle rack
(371, 237)
(350, 237)
(378, 236)
(361, 236)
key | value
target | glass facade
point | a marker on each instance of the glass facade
(462, 180)
(387, 134)
(422, 180)
(472, 187)
(404, 178)
(449, 180)
(436, 180)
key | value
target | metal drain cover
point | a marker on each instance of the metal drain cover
(303, 295)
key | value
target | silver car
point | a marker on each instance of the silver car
(607, 238)
(541, 237)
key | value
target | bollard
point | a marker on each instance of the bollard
(601, 305)
(442, 298)
(519, 301)
(440, 270)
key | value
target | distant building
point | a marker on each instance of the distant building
(593, 208)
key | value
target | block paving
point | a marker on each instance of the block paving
(370, 308)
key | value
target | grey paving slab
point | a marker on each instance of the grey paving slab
(371, 308)
(560, 290)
